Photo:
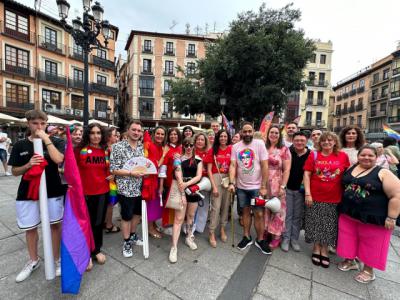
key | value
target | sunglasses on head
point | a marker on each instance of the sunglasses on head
(189, 146)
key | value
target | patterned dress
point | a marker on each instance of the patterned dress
(275, 223)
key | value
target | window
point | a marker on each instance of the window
(311, 76)
(17, 93)
(190, 68)
(352, 103)
(78, 51)
(50, 36)
(338, 107)
(375, 78)
(386, 74)
(319, 116)
(167, 86)
(78, 75)
(385, 91)
(50, 67)
(344, 121)
(192, 49)
(169, 67)
(147, 45)
(101, 79)
(374, 95)
(322, 59)
(100, 107)
(313, 58)
(360, 101)
(102, 53)
(337, 122)
(359, 121)
(166, 107)
(320, 96)
(383, 107)
(146, 86)
(321, 77)
(373, 110)
(351, 120)
(77, 102)
(147, 65)
(362, 83)
(51, 97)
(169, 47)
(308, 116)
(310, 96)
(16, 22)
(146, 105)
(395, 85)
(353, 86)
(16, 57)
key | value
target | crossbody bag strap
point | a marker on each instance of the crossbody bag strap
(216, 165)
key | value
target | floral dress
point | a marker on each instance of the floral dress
(275, 223)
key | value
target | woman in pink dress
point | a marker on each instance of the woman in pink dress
(279, 161)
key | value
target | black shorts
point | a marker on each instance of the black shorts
(130, 206)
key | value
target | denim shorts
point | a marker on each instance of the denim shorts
(3, 155)
(244, 197)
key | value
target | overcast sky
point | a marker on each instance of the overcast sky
(361, 31)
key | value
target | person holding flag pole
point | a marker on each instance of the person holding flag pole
(40, 193)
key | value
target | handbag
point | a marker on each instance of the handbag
(174, 198)
(225, 180)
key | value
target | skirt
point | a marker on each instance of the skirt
(321, 223)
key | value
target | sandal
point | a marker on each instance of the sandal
(100, 258)
(325, 261)
(316, 259)
(89, 266)
(113, 229)
(348, 264)
(155, 235)
(364, 277)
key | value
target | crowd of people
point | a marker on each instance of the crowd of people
(343, 192)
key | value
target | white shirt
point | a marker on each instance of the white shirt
(3, 145)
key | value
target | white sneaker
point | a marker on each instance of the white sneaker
(173, 255)
(295, 245)
(58, 268)
(8, 174)
(127, 249)
(190, 242)
(27, 270)
(136, 240)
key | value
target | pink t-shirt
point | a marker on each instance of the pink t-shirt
(248, 158)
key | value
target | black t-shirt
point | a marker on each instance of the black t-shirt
(22, 152)
(296, 169)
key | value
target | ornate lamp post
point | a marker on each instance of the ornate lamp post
(86, 37)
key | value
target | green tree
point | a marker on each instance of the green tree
(254, 64)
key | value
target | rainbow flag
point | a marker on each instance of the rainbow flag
(77, 237)
(390, 132)
(113, 193)
(284, 131)
(266, 123)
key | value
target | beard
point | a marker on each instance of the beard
(247, 139)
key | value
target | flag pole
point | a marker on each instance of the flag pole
(145, 230)
(50, 271)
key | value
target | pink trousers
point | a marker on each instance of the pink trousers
(367, 242)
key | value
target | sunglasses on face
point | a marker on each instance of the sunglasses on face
(189, 146)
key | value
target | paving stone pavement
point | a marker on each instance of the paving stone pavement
(201, 274)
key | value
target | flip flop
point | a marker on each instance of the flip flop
(113, 229)
(326, 260)
(316, 259)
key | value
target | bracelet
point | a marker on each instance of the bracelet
(48, 144)
(392, 219)
(307, 195)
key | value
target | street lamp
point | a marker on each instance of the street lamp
(86, 37)
(222, 102)
(108, 115)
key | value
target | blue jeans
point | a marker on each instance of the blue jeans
(244, 197)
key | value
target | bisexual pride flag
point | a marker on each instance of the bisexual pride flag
(77, 238)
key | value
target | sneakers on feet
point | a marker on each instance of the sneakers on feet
(136, 240)
(8, 174)
(190, 242)
(295, 245)
(58, 268)
(244, 243)
(127, 249)
(173, 255)
(27, 270)
(285, 245)
(263, 246)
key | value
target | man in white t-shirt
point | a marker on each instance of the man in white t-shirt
(3, 151)
(248, 176)
(291, 129)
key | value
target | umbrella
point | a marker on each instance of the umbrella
(52, 120)
(6, 118)
(75, 122)
(99, 122)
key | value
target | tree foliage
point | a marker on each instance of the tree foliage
(259, 60)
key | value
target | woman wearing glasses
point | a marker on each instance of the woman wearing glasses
(187, 171)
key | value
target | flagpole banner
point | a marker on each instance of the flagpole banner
(390, 132)
(266, 123)
(77, 237)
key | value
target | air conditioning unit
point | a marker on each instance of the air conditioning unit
(102, 114)
(69, 111)
(50, 107)
(78, 112)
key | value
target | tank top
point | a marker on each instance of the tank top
(364, 198)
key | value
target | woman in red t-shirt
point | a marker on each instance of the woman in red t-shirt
(93, 163)
(218, 160)
(323, 172)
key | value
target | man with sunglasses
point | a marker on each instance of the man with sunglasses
(248, 176)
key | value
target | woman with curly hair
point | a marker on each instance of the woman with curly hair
(351, 139)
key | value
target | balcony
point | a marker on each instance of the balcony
(147, 49)
(20, 105)
(50, 46)
(73, 53)
(338, 112)
(316, 102)
(353, 92)
(395, 119)
(191, 54)
(344, 111)
(146, 92)
(320, 83)
(169, 51)
(103, 89)
(373, 97)
(75, 84)
(52, 78)
(28, 37)
(352, 109)
(359, 107)
(316, 123)
(360, 90)
(147, 71)
(168, 73)
(103, 63)
(345, 95)
(377, 114)
(396, 71)
(338, 98)
(24, 71)
(375, 82)
(146, 114)
(395, 94)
